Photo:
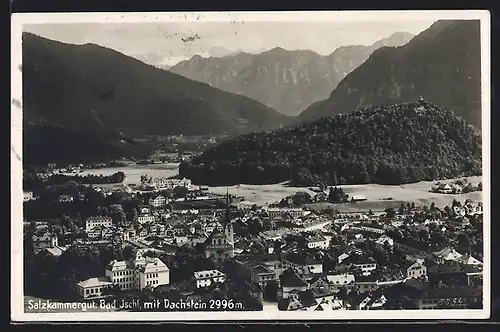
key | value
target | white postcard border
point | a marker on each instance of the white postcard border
(17, 296)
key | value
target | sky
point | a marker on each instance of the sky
(170, 42)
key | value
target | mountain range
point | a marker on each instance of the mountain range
(288, 81)
(441, 64)
(94, 89)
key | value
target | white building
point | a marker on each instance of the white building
(208, 277)
(121, 273)
(151, 272)
(314, 225)
(447, 254)
(166, 183)
(277, 212)
(141, 273)
(366, 268)
(93, 287)
(385, 239)
(317, 241)
(416, 270)
(144, 218)
(158, 202)
(98, 221)
(358, 198)
(341, 279)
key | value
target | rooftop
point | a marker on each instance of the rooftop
(207, 274)
(95, 282)
(293, 280)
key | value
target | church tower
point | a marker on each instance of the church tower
(228, 225)
(220, 244)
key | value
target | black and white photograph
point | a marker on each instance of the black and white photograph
(250, 166)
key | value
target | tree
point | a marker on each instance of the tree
(463, 240)
(389, 212)
(301, 198)
(181, 192)
(448, 210)
(117, 214)
(480, 186)
(271, 291)
(437, 238)
(402, 208)
(128, 252)
(337, 195)
(423, 235)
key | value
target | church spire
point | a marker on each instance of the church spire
(228, 212)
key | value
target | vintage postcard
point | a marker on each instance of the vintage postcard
(257, 165)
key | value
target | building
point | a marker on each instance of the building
(366, 283)
(277, 212)
(93, 287)
(447, 254)
(144, 218)
(142, 272)
(45, 241)
(358, 198)
(98, 221)
(358, 262)
(206, 278)
(443, 188)
(290, 281)
(166, 183)
(158, 202)
(66, 199)
(121, 273)
(382, 240)
(412, 247)
(258, 273)
(316, 241)
(151, 272)
(416, 270)
(219, 246)
(369, 228)
(304, 265)
(469, 260)
(27, 196)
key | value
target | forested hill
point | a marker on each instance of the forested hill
(92, 89)
(394, 144)
(441, 64)
(46, 143)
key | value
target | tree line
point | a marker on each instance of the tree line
(386, 145)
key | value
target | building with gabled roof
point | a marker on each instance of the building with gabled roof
(291, 281)
(93, 287)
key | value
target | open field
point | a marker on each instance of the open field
(374, 193)
(266, 194)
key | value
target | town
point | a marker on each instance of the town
(95, 237)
